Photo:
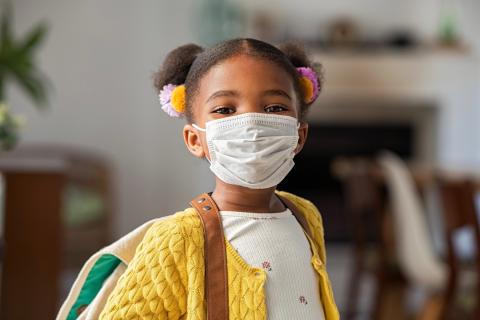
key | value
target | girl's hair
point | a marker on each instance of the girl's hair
(187, 64)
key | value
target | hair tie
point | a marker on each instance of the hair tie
(172, 100)
(309, 84)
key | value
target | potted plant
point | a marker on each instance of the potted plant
(17, 64)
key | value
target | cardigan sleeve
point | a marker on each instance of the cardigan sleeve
(154, 283)
(93, 310)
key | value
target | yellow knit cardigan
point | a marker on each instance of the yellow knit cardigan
(165, 279)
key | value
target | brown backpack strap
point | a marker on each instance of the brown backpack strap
(298, 215)
(216, 281)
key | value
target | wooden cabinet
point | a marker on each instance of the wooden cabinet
(56, 213)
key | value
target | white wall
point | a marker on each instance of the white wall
(100, 56)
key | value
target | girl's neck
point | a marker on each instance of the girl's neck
(236, 198)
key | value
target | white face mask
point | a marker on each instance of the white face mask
(253, 150)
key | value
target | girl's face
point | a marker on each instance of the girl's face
(241, 84)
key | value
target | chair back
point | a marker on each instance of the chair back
(460, 211)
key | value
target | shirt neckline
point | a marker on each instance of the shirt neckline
(257, 215)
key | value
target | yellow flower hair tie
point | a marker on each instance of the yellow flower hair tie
(172, 98)
(178, 99)
(309, 84)
(307, 88)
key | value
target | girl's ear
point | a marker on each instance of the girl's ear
(302, 136)
(193, 141)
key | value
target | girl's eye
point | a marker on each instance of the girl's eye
(224, 110)
(275, 108)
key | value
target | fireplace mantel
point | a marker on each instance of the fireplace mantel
(437, 89)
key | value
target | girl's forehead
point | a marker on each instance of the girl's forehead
(244, 72)
(248, 64)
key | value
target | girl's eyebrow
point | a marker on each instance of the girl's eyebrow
(233, 93)
(277, 92)
(223, 93)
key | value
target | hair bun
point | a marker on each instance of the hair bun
(176, 65)
(296, 54)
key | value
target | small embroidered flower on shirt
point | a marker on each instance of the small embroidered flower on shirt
(266, 265)
(303, 300)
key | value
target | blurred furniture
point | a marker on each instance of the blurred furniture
(402, 255)
(458, 199)
(416, 255)
(56, 213)
(365, 200)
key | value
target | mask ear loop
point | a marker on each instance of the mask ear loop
(298, 127)
(203, 130)
(198, 128)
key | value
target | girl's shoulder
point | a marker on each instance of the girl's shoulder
(184, 224)
(111, 261)
(181, 219)
(305, 206)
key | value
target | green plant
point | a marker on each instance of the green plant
(9, 126)
(17, 63)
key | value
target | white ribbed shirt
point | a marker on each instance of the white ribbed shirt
(276, 242)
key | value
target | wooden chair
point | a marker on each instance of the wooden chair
(365, 198)
(458, 200)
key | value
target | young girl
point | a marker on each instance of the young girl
(244, 251)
